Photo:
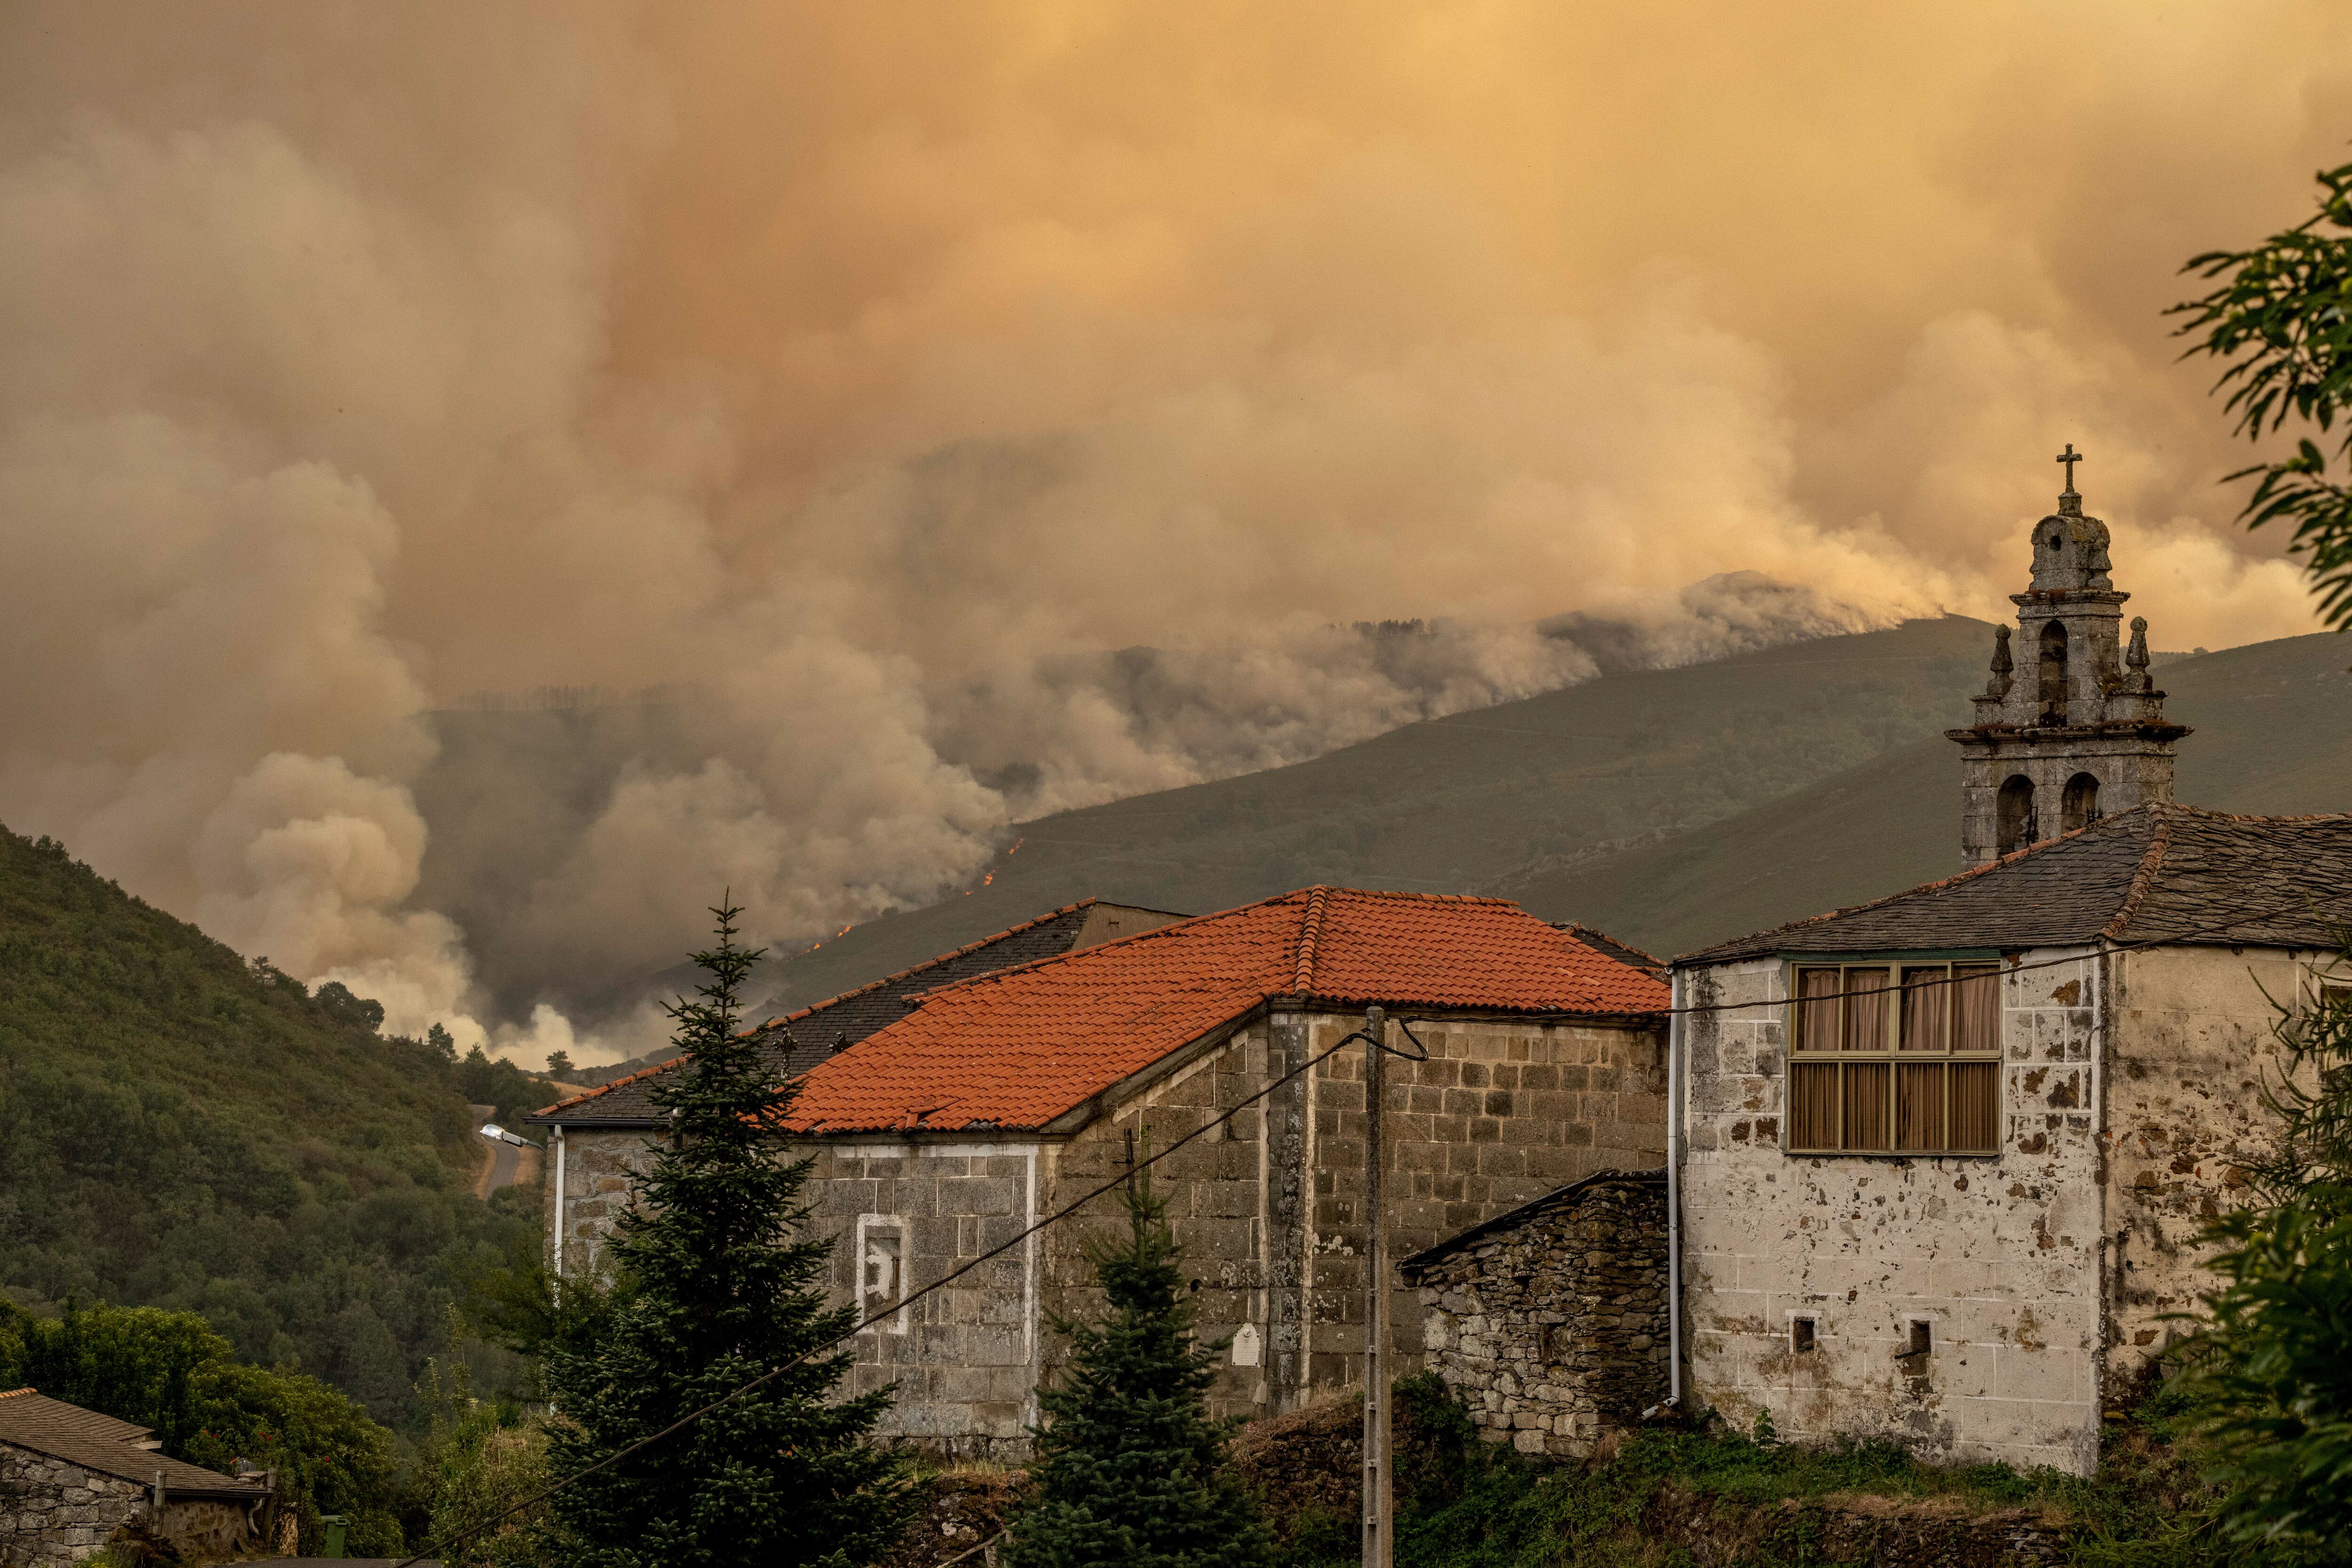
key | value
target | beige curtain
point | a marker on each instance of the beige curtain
(1866, 1010)
(1927, 1010)
(1977, 998)
(1817, 1020)
(1865, 1105)
(1976, 1107)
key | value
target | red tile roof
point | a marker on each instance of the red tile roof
(1018, 1048)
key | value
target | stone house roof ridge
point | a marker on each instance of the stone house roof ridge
(1533, 1206)
(1022, 1047)
(1303, 971)
(2111, 880)
(2144, 877)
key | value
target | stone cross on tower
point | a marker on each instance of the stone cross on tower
(2067, 731)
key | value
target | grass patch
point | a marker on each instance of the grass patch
(1466, 1503)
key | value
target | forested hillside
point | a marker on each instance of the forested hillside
(179, 1128)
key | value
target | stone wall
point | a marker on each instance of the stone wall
(2193, 1048)
(1551, 1328)
(54, 1514)
(1999, 1256)
(601, 1166)
(903, 1214)
(2131, 1094)
(1268, 1206)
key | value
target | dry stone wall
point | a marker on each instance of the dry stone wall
(53, 1512)
(1551, 1329)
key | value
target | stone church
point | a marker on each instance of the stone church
(999, 1083)
(1940, 1159)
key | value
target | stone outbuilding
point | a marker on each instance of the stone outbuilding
(995, 1098)
(71, 1478)
(1548, 1320)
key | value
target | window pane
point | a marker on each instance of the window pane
(1976, 1106)
(1817, 1022)
(1812, 1105)
(1926, 1008)
(1865, 1105)
(1976, 1001)
(1866, 1010)
(1920, 1106)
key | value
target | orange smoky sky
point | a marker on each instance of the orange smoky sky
(872, 370)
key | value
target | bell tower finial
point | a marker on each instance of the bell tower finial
(2068, 502)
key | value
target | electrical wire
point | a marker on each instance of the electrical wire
(1066, 1212)
(2166, 940)
(1059, 1215)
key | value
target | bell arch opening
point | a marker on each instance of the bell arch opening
(2080, 806)
(2018, 827)
(2053, 671)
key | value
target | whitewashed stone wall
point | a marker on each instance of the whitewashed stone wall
(2046, 1272)
(2193, 1048)
(1999, 1255)
(53, 1513)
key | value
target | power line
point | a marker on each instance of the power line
(2169, 939)
(1066, 1212)
(689, 1419)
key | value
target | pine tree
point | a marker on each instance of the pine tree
(1130, 1471)
(716, 1282)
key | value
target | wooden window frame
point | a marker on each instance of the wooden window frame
(1893, 1056)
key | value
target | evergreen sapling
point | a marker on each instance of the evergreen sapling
(715, 1282)
(1130, 1470)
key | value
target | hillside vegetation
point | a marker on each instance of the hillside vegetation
(1671, 808)
(1454, 804)
(181, 1129)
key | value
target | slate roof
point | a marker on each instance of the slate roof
(1624, 952)
(1511, 1218)
(2151, 875)
(1018, 1049)
(798, 1042)
(111, 1447)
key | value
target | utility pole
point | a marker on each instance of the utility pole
(1380, 1551)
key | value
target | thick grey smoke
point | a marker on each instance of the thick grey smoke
(984, 409)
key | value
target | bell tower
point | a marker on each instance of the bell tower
(2067, 732)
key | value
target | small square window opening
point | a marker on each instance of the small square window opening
(1923, 1339)
(1801, 1336)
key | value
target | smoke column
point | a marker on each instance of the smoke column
(877, 374)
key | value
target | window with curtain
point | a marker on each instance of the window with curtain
(1894, 1058)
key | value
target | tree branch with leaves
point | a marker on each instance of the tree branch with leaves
(2280, 318)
